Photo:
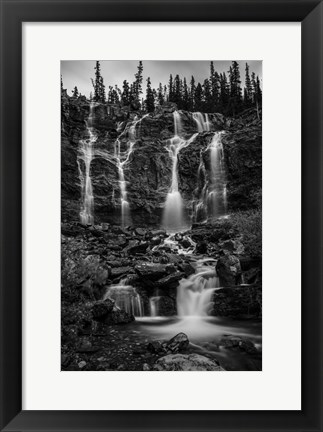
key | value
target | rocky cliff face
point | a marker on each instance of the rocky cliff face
(148, 170)
(242, 144)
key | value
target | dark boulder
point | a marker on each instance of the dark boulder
(228, 269)
(118, 272)
(139, 248)
(170, 281)
(178, 343)
(187, 268)
(156, 347)
(140, 231)
(101, 309)
(201, 247)
(151, 271)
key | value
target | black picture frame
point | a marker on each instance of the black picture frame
(13, 14)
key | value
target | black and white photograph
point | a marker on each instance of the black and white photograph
(161, 215)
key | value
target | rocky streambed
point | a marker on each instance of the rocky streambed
(100, 331)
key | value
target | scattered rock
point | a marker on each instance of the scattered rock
(82, 364)
(186, 362)
(235, 342)
(155, 241)
(158, 233)
(156, 347)
(140, 231)
(119, 316)
(87, 347)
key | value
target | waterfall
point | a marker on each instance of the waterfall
(217, 194)
(173, 219)
(85, 153)
(122, 159)
(207, 123)
(153, 306)
(202, 124)
(194, 294)
(126, 298)
(177, 123)
(212, 200)
(125, 216)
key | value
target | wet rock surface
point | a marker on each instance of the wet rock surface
(188, 362)
(148, 170)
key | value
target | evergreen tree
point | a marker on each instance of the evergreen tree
(113, 96)
(177, 94)
(170, 89)
(160, 95)
(150, 99)
(96, 82)
(155, 97)
(62, 83)
(119, 93)
(192, 94)
(101, 90)
(138, 82)
(215, 88)
(256, 92)
(125, 96)
(198, 98)
(207, 96)
(235, 89)
(75, 92)
(132, 93)
(224, 93)
(186, 97)
(247, 89)
(98, 85)
(165, 93)
(259, 92)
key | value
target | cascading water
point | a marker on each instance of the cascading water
(217, 192)
(203, 124)
(153, 306)
(85, 153)
(122, 159)
(126, 298)
(213, 196)
(194, 293)
(173, 219)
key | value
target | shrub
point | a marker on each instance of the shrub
(249, 225)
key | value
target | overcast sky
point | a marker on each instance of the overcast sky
(79, 72)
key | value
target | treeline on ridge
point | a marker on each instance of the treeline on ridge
(220, 92)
